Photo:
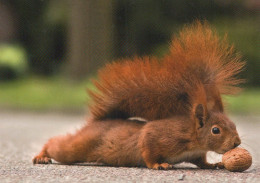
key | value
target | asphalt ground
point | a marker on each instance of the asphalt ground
(23, 134)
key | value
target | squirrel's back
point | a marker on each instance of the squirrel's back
(198, 69)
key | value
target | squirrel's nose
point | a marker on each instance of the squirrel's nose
(237, 142)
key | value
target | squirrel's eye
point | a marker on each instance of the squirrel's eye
(215, 130)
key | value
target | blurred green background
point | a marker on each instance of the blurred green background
(49, 49)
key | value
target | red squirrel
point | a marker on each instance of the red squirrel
(179, 96)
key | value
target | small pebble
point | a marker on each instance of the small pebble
(181, 177)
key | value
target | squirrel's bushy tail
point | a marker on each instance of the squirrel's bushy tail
(201, 52)
(199, 65)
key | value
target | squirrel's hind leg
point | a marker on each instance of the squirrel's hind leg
(69, 149)
(61, 149)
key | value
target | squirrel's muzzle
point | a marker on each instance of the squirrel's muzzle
(237, 141)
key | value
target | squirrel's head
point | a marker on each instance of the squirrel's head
(215, 131)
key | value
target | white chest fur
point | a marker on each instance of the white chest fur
(185, 157)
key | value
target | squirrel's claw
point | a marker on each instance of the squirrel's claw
(41, 160)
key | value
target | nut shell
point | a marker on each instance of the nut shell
(237, 160)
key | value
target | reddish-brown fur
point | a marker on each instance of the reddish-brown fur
(199, 63)
(156, 144)
(183, 90)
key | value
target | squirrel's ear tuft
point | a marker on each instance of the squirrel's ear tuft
(200, 115)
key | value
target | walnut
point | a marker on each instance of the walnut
(237, 160)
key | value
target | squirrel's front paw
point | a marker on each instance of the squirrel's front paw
(41, 160)
(162, 166)
(220, 165)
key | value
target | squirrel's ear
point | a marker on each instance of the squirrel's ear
(200, 115)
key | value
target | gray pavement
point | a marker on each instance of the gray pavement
(23, 134)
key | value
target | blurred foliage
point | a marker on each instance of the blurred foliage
(247, 102)
(40, 93)
(13, 62)
(140, 28)
(41, 32)
(143, 25)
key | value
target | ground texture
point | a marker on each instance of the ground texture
(23, 134)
